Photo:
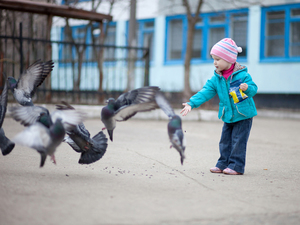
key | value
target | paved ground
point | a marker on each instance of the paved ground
(140, 179)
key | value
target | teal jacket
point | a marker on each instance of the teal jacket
(228, 111)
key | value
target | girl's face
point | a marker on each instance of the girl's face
(220, 64)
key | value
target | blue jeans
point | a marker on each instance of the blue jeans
(233, 144)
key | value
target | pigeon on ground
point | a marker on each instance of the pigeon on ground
(127, 105)
(174, 126)
(24, 88)
(91, 149)
(6, 145)
(44, 131)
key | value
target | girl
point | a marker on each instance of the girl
(235, 88)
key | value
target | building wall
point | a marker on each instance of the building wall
(279, 77)
(270, 77)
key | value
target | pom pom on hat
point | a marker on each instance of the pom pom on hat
(226, 49)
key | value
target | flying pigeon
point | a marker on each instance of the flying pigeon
(127, 105)
(44, 131)
(174, 126)
(24, 88)
(6, 145)
(91, 149)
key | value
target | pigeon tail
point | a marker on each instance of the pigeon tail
(182, 157)
(90, 157)
(97, 150)
(43, 158)
(100, 141)
(6, 146)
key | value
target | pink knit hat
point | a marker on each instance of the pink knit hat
(226, 49)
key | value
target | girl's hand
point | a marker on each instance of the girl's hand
(187, 108)
(243, 86)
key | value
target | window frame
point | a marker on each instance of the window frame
(87, 41)
(111, 24)
(206, 25)
(287, 22)
(140, 35)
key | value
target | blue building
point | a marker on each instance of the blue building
(269, 34)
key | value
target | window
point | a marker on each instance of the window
(210, 29)
(109, 41)
(109, 53)
(175, 39)
(197, 44)
(280, 36)
(82, 34)
(144, 35)
(79, 35)
(239, 31)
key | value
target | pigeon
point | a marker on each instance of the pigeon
(91, 149)
(44, 132)
(175, 132)
(24, 88)
(6, 145)
(127, 105)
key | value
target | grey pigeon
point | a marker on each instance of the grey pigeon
(174, 126)
(24, 88)
(44, 131)
(6, 145)
(91, 149)
(127, 105)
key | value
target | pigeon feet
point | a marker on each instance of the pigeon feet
(53, 159)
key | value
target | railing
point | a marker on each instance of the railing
(83, 73)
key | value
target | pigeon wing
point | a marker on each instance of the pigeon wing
(164, 104)
(136, 96)
(34, 76)
(127, 112)
(72, 144)
(70, 118)
(36, 136)
(27, 115)
(47, 68)
(80, 135)
(83, 130)
(64, 106)
(137, 100)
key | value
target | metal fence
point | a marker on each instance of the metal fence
(83, 73)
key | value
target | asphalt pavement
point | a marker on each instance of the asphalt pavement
(140, 179)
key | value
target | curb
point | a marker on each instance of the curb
(93, 111)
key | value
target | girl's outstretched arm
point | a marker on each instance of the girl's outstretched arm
(187, 108)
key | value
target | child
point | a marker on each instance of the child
(235, 112)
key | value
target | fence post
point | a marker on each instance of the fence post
(147, 67)
(147, 62)
(21, 47)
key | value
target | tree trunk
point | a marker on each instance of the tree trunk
(187, 62)
(48, 57)
(99, 56)
(192, 20)
(132, 43)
